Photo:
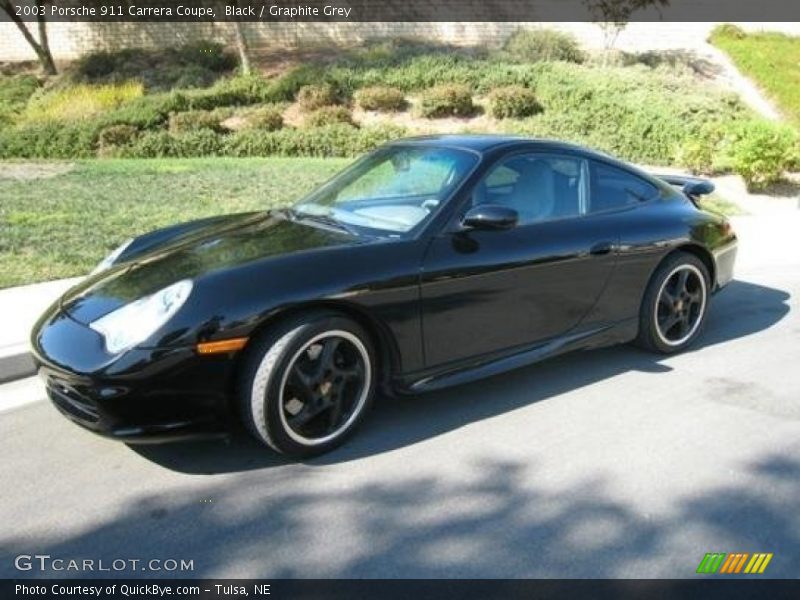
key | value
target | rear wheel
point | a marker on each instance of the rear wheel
(675, 304)
(308, 383)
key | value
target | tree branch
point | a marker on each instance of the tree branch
(42, 49)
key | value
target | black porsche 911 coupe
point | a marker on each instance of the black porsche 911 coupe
(430, 262)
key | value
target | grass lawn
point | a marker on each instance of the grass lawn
(59, 219)
(772, 60)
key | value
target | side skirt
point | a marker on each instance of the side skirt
(487, 366)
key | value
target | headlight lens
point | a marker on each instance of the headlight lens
(135, 322)
(109, 260)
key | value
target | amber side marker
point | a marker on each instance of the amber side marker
(222, 346)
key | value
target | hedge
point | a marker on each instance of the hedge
(446, 100)
(338, 140)
(513, 101)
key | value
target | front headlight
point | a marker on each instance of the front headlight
(135, 322)
(109, 260)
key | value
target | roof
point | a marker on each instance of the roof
(485, 142)
(479, 142)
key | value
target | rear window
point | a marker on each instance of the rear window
(613, 188)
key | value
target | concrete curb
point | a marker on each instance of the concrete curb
(20, 308)
(16, 366)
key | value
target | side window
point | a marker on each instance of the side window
(614, 188)
(539, 187)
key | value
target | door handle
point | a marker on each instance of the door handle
(601, 248)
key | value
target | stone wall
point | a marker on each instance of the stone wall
(70, 40)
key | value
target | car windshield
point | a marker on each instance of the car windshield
(391, 191)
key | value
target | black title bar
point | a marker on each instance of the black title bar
(398, 11)
(400, 589)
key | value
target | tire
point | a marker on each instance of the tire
(672, 317)
(307, 383)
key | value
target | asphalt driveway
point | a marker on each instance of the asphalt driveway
(611, 463)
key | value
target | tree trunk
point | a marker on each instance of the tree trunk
(41, 48)
(241, 45)
(46, 57)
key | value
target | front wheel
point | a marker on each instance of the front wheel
(675, 304)
(308, 383)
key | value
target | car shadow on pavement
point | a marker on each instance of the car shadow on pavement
(740, 310)
(497, 519)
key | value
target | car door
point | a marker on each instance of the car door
(486, 292)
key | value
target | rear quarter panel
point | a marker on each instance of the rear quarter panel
(649, 233)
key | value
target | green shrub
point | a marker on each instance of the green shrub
(761, 151)
(111, 138)
(265, 118)
(151, 144)
(446, 100)
(634, 112)
(81, 141)
(15, 90)
(194, 120)
(286, 86)
(312, 97)
(203, 142)
(330, 141)
(700, 153)
(328, 115)
(649, 115)
(197, 64)
(102, 66)
(162, 144)
(794, 159)
(333, 140)
(241, 90)
(147, 112)
(188, 77)
(696, 155)
(49, 140)
(208, 55)
(534, 45)
(381, 98)
(513, 101)
(727, 30)
(81, 101)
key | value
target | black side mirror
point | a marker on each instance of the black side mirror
(490, 217)
(698, 187)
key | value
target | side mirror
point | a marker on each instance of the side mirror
(699, 187)
(490, 217)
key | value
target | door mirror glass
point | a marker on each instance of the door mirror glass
(490, 217)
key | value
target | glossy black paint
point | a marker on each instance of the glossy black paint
(490, 217)
(445, 305)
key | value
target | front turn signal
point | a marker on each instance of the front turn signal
(222, 346)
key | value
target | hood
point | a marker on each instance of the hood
(222, 244)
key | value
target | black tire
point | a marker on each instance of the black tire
(312, 369)
(671, 318)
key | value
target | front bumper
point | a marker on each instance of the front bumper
(144, 395)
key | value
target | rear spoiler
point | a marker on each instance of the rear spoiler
(691, 186)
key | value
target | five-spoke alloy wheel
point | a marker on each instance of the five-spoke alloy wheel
(325, 387)
(308, 383)
(675, 304)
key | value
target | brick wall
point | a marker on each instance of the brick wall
(70, 40)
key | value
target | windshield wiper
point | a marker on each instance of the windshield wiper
(324, 219)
